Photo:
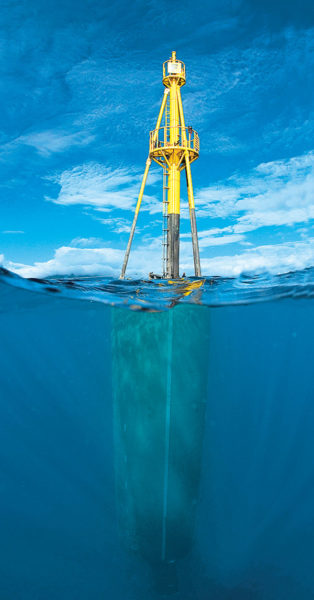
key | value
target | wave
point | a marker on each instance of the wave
(162, 294)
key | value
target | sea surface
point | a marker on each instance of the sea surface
(157, 438)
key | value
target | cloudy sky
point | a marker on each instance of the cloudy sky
(80, 89)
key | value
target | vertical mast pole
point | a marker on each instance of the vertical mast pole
(173, 184)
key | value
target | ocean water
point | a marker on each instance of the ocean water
(157, 439)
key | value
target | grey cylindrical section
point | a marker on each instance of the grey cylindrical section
(127, 252)
(173, 245)
(196, 252)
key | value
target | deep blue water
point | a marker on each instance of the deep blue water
(135, 439)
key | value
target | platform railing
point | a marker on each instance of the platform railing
(186, 138)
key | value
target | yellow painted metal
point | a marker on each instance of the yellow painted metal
(137, 209)
(160, 147)
(173, 67)
(168, 144)
(174, 158)
(181, 113)
(161, 112)
(186, 286)
(186, 156)
(174, 147)
(140, 196)
(189, 182)
(174, 115)
(173, 189)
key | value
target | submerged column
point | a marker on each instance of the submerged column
(159, 412)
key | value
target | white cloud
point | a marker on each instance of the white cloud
(52, 140)
(12, 231)
(107, 261)
(48, 142)
(273, 194)
(272, 258)
(93, 242)
(216, 237)
(236, 83)
(101, 187)
(221, 240)
(119, 225)
(68, 260)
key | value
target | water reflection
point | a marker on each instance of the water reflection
(160, 366)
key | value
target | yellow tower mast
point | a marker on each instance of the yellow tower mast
(174, 147)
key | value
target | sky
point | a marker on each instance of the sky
(81, 87)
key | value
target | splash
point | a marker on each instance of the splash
(151, 295)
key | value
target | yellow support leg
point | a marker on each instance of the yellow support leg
(196, 252)
(138, 205)
(137, 209)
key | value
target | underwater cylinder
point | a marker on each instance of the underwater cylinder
(159, 389)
